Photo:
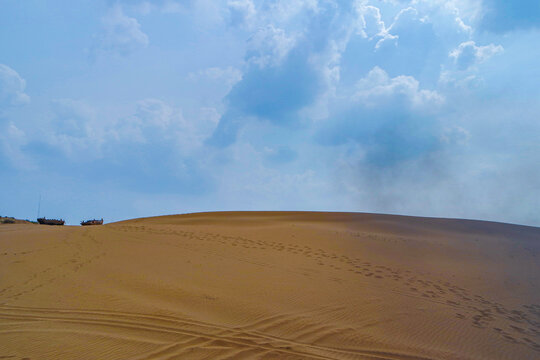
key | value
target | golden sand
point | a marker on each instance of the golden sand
(271, 285)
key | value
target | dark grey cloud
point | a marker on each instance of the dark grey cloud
(273, 93)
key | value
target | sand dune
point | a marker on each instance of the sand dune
(271, 285)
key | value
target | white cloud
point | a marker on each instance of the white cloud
(450, 14)
(455, 135)
(71, 117)
(460, 83)
(73, 127)
(468, 53)
(454, 9)
(405, 17)
(269, 46)
(121, 34)
(157, 122)
(155, 113)
(79, 131)
(378, 87)
(11, 88)
(228, 75)
(11, 140)
(153, 121)
(284, 11)
(370, 23)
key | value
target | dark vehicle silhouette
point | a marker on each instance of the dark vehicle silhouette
(44, 221)
(92, 222)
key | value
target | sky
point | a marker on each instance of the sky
(132, 108)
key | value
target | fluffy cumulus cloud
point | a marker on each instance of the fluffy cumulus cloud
(155, 123)
(12, 137)
(150, 146)
(154, 146)
(11, 88)
(378, 87)
(12, 140)
(390, 119)
(153, 113)
(406, 41)
(228, 75)
(268, 46)
(371, 25)
(468, 54)
(286, 67)
(71, 117)
(121, 34)
(73, 127)
(67, 129)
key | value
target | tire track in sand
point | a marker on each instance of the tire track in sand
(191, 334)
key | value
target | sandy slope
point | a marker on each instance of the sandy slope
(271, 285)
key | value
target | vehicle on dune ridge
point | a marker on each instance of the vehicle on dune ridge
(44, 221)
(92, 222)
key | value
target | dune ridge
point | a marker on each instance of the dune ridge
(271, 285)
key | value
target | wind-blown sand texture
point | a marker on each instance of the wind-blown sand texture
(271, 285)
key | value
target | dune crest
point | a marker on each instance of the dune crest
(269, 285)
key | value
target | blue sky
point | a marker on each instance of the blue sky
(122, 109)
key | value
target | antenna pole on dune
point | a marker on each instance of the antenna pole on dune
(39, 206)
